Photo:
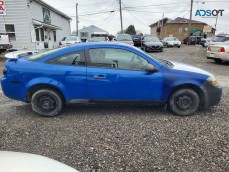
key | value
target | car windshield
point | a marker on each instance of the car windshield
(171, 39)
(40, 55)
(152, 39)
(124, 38)
(71, 38)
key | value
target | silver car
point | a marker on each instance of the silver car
(69, 40)
(171, 42)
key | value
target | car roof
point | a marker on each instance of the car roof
(99, 44)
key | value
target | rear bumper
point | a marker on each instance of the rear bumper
(212, 94)
(217, 55)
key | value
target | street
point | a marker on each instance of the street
(127, 138)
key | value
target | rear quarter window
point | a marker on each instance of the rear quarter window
(41, 55)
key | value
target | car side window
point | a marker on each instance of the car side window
(116, 59)
(77, 58)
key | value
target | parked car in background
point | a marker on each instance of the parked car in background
(203, 41)
(99, 39)
(4, 42)
(218, 52)
(218, 39)
(150, 43)
(69, 40)
(25, 162)
(107, 73)
(193, 40)
(137, 39)
(171, 42)
(207, 41)
(124, 38)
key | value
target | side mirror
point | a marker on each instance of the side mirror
(150, 68)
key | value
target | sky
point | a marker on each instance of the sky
(140, 13)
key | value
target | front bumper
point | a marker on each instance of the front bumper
(154, 48)
(212, 94)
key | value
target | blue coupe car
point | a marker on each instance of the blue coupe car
(106, 73)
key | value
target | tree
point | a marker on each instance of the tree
(131, 30)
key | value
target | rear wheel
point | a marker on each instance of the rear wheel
(184, 102)
(47, 102)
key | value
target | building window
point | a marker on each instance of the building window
(37, 35)
(42, 34)
(54, 35)
(84, 34)
(10, 30)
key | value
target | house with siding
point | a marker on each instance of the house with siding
(33, 24)
(91, 31)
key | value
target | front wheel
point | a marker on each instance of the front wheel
(184, 102)
(47, 102)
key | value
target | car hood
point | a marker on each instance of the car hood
(24, 162)
(173, 41)
(154, 43)
(189, 68)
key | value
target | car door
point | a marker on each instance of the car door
(118, 74)
(70, 70)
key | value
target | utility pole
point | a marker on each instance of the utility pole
(216, 21)
(77, 19)
(190, 23)
(120, 6)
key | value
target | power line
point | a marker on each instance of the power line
(156, 5)
(157, 11)
(96, 3)
(83, 5)
(134, 16)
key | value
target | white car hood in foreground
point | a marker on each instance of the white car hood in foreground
(24, 162)
(189, 68)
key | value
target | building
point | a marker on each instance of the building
(179, 28)
(90, 31)
(33, 24)
(156, 26)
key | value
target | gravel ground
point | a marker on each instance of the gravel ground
(126, 138)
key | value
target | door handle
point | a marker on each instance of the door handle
(99, 77)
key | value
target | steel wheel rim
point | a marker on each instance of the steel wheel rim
(184, 102)
(46, 103)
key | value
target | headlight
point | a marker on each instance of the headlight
(212, 80)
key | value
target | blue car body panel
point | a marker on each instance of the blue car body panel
(79, 82)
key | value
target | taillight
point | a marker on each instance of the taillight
(221, 49)
(209, 49)
(60, 43)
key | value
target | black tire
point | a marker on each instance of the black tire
(145, 49)
(218, 60)
(178, 46)
(47, 102)
(162, 50)
(184, 102)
